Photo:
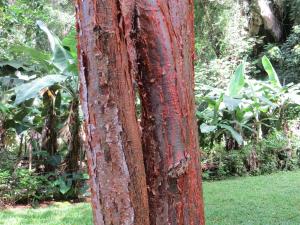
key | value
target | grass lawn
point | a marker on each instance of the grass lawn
(61, 213)
(263, 200)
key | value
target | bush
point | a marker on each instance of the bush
(287, 57)
(27, 187)
(276, 152)
(23, 186)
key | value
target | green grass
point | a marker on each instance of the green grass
(263, 200)
(58, 214)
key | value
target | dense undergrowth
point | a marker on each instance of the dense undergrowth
(246, 89)
(270, 155)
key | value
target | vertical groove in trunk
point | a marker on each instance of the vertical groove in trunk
(114, 150)
(165, 51)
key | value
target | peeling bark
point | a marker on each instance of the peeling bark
(155, 38)
(114, 150)
(165, 51)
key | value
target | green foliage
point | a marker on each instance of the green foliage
(275, 152)
(287, 57)
(70, 42)
(273, 77)
(18, 24)
(23, 186)
(72, 185)
(290, 57)
(32, 89)
(236, 125)
(221, 40)
(44, 84)
(61, 58)
(36, 73)
(294, 6)
(237, 82)
(217, 25)
(247, 108)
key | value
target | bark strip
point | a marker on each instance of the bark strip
(114, 150)
(165, 51)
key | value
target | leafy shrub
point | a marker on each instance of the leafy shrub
(287, 57)
(4, 187)
(275, 152)
(246, 108)
(71, 185)
(30, 186)
(23, 186)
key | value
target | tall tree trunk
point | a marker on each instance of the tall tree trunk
(114, 150)
(49, 133)
(164, 37)
(2, 134)
(165, 48)
(271, 22)
(75, 144)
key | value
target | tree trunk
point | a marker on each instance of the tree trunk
(163, 34)
(75, 144)
(114, 150)
(49, 133)
(165, 47)
(2, 134)
(271, 22)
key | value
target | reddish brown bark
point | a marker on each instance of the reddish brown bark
(165, 51)
(162, 31)
(114, 151)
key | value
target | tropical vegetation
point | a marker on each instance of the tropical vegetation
(247, 94)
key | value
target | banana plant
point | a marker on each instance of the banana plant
(61, 64)
(51, 87)
(221, 103)
(246, 105)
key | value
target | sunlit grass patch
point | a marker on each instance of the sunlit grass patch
(56, 214)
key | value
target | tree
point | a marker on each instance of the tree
(114, 150)
(154, 42)
(165, 48)
(49, 134)
(270, 20)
